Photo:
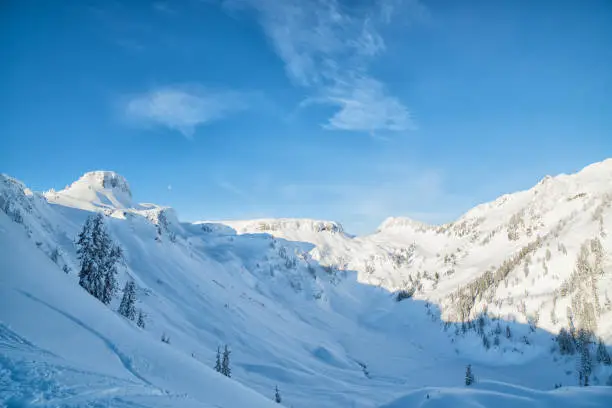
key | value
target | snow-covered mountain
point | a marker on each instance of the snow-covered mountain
(305, 306)
(516, 257)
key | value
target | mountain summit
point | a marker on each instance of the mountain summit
(95, 189)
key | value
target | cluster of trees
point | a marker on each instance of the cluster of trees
(484, 287)
(402, 256)
(222, 364)
(479, 326)
(582, 285)
(516, 221)
(127, 307)
(581, 343)
(404, 294)
(99, 257)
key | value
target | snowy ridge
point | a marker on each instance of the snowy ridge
(284, 225)
(304, 306)
(531, 239)
(402, 223)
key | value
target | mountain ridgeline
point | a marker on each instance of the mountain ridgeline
(518, 290)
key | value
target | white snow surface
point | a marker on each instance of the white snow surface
(303, 305)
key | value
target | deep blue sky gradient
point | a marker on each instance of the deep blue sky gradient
(501, 94)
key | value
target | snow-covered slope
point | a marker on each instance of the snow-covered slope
(515, 257)
(58, 347)
(302, 305)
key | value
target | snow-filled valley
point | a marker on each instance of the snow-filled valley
(391, 319)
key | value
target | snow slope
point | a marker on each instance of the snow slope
(500, 395)
(59, 347)
(302, 305)
(539, 232)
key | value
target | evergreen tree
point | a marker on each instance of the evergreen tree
(218, 367)
(485, 341)
(469, 376)
(90, 275)
(99, 257)
(110, 271)
(584, 361)
(565, 342)
(141, 322)
(225, 364)
(277, 397)
(602, 353)
(128, 301)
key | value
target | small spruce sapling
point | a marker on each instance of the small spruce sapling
(141, 320)
(218, 361)
(469, 376)
(128, 301)
(225, 363)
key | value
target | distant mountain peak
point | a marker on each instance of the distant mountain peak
(103, 179)
(95, 188)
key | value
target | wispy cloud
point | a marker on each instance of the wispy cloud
(182, 108)
(327, 47)
(365, 106)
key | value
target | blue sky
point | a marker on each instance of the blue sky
(352, 111)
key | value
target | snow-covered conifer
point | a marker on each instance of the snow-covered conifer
(99, 257)
(141, 320)
(602, 353)
(128, 301)
(218, 366)
(469, 376)
(225, 364)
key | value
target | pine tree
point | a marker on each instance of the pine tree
(584, 362)
(110, 271)
(141, 321)
(225, 364)
(90, 275)
(99, 257)
(218, 367)
(127, 307)
(277, 397)
(602, 353)
(565, 342)
(469, 376)
(485, 341)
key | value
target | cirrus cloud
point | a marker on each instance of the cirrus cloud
(326, 47)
